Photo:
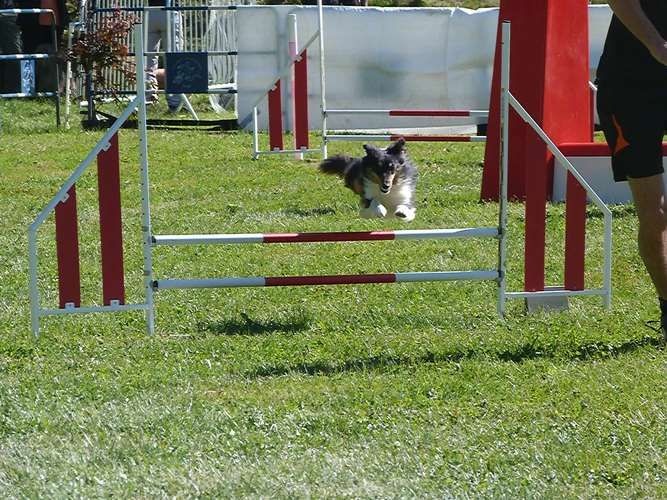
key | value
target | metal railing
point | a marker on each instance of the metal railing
(26, 62)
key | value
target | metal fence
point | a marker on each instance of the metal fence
(204, 25)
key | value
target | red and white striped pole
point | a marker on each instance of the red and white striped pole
(340, 279)
(324, 237)
(407, 137)
(446, 113)
(450, 113)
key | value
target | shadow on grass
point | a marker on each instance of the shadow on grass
(518, 354)
(249, 327)
(617, 212)
(309, 212)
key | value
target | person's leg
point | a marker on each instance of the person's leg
(175, 101)
(633, 121)
(649, 197)
(10, 43)
(153, 42)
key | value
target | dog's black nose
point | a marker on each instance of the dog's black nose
(385, 188)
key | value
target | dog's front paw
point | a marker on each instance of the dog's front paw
(373, 210)
(378, 209)
(406, 213)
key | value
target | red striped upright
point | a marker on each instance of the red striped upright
(301, 101)
(111, 226)
(67, 251)
(275, 118)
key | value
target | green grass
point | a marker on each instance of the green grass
(415, 390)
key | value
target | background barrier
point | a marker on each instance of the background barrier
(385, 58)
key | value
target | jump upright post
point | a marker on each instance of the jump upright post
(509, 102)
(550, 78)
(297, 68)
(64, 206)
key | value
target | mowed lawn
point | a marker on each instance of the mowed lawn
(411, 390)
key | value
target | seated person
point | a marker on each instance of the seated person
(157, 37)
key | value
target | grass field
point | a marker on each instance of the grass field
(415, 390)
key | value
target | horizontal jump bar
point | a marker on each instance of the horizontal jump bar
(161, 7)
(411, 112)
(18, 57)
(25, 11)
(439, 112)
(163, 91)
(35, 94)
(342, 279)
(409, 138)
(207, 52)
(414, 234)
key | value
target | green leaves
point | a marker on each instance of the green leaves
(106, 47)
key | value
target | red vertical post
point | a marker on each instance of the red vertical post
(549, 76)
(111, 224)
(575, 234)
(575, 220)
(67, 251)
(275, 118)
(301, 101)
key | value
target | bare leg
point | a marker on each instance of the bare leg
(649, 197)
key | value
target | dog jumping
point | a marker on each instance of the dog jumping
(385, 180)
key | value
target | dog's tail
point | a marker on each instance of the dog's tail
(336, 165)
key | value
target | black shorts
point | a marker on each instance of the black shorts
(634, 121)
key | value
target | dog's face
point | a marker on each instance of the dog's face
(383, 165)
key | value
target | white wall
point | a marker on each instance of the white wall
(380, 58)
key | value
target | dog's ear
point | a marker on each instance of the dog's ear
(398, 149)
(371, 151)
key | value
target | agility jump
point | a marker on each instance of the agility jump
(297, 67)
(326, 136)
(68, 260)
